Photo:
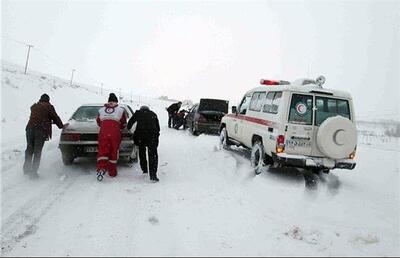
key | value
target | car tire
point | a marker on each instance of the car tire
(193, 130)
(134, 159)
(67, 156)
(224, 142)
(257, 157)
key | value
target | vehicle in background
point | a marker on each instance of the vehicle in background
(205, 116)
(299, 125)
(79, 138)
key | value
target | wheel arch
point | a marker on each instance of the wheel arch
(255, 138)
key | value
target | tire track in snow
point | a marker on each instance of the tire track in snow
(23, 222)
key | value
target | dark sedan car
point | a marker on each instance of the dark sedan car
(79, 137)
(205, 116)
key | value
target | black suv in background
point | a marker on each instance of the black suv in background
(205, 116)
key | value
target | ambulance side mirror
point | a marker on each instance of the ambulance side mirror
(234, 110)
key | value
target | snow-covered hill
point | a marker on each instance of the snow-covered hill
(208, 202)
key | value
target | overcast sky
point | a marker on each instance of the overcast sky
(220, 49)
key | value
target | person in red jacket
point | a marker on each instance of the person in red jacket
(111, 119)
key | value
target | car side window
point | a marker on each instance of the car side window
(257, 101)
(244, 105)
(268, 102)
(272, 102)
(126, 113)
(253, 102)
(130, 109)
(193, 109)
(275, 102)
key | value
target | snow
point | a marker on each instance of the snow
(208, 201)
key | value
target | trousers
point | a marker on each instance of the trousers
(108, 150)
(35, 139)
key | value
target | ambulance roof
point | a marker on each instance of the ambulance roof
(309, 88)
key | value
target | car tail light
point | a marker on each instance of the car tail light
(71, 136)
(202, 119)
(280, 144)
(353, 154)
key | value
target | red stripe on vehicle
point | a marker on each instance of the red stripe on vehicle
(252, 119)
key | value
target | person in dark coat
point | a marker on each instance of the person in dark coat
(146, 136)
(172, 111)
(38, 130)
(180, 119)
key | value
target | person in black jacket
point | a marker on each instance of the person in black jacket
(172, 111)
(146, 136)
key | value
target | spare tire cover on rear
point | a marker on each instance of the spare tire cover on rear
(337, 137)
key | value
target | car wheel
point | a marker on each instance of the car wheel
(257, 157)
(67, 156)
(134, 158)
(224, 142)
(193, 130)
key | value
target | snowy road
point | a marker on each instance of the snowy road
(208, 203)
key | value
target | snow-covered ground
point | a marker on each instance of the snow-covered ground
(208, 202)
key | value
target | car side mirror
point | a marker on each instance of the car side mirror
(234, 109)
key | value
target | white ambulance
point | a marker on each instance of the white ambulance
(299, 124)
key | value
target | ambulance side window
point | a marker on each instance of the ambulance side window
(244, 105)
(257, 100)
(268, 102)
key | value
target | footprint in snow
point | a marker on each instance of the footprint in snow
(153, 220)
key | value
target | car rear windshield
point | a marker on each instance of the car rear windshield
(214, 105)
(301, 109)
(85, 113)
(330, 107)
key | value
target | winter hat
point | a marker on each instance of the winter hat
(44, 98)
(112, 98)
(144, 108)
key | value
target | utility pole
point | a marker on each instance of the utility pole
(27, 57)
(72, 77)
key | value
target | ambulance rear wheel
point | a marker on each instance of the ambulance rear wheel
(257, 157)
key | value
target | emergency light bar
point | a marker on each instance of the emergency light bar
(272, 82)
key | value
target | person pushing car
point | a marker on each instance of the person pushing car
(172, 111)
(111, 118)
(38, 130)
(146, 136)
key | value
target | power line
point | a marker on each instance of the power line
(44, 54)
(14, 40)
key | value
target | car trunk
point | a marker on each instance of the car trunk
(89, 130)
(212, 116)
(212, 110)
